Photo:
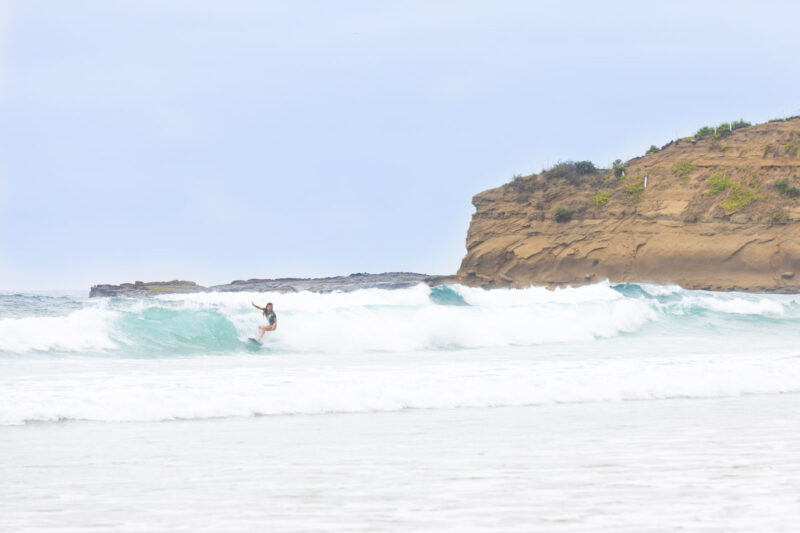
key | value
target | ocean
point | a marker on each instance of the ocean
(601, 408)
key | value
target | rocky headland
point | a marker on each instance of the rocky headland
(719, 210)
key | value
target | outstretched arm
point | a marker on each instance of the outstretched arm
(257, 307)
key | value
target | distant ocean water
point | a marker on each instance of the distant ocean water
(82, 379)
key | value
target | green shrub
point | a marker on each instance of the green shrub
(790, 148)
(585, 167)
(778, 217)
(562, 214)
(723, 130)
(717, 183)
(684, 168)
(784, 188)
(619, 168)
(571, 167)
(739, 197)
(736, 124)
(571, 171)
(653, 148)
(601, 198)
(705, 131)
(633, 190)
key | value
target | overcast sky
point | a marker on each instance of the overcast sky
(212, 141)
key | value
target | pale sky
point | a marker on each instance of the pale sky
(212, 141)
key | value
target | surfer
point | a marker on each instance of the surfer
(269, 314)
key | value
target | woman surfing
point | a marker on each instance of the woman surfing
(272, 320)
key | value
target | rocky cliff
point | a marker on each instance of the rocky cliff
(719, 210)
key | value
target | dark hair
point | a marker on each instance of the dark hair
(269, 303)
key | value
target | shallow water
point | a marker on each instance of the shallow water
(702, 465)
(604, 408)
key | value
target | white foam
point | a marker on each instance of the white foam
(87, 329)
(407, 319)
(661, 290)
(305, 300)
(739, 305)
(152, 390)
(403, 320)
(537, 295)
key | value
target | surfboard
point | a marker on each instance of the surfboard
(254, 341)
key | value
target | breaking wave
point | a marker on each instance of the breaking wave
(418, 318)
(186, 356)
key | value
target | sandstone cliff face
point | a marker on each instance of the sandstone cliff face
(715, 214)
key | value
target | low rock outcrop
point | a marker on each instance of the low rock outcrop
(139, 289)
(387, 280)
